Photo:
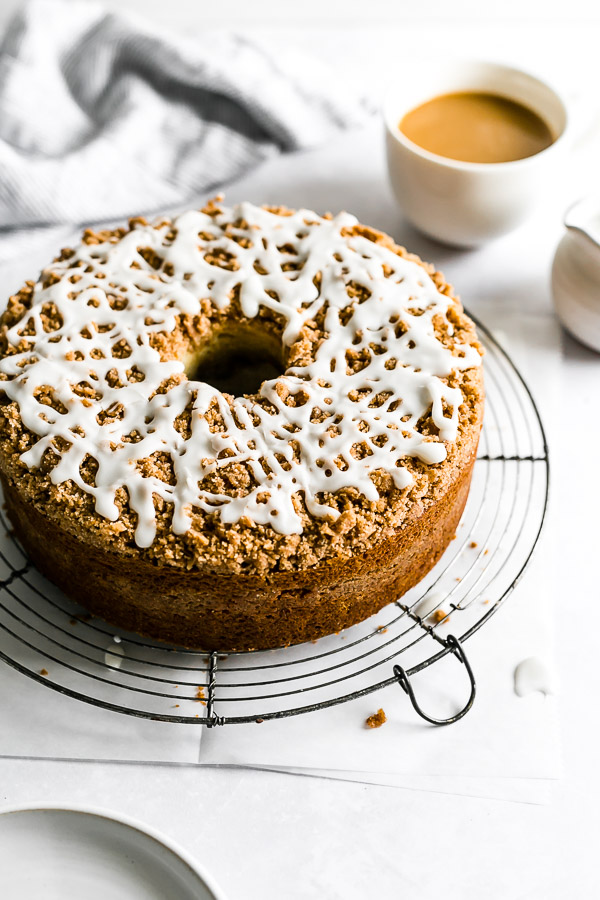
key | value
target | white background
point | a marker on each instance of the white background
(274, 836)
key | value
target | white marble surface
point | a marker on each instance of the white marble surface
(267, 836)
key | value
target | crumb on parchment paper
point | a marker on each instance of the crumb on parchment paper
(376, 720)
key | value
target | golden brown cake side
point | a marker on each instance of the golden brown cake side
(215, 611)
(229, 611)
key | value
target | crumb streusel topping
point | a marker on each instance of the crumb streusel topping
(376, 356)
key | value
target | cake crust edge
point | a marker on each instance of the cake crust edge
(205, 610)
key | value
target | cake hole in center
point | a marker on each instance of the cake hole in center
(237, 362)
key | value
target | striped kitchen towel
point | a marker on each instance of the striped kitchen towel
(103, 115)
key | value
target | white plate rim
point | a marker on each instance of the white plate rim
(154, 834)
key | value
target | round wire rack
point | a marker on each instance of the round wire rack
(52, 640)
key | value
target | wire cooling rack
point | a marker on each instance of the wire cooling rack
(47, 637)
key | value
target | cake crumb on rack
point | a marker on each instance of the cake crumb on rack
(473, 545)
(376, 720)
(438, 616)
(43, 672)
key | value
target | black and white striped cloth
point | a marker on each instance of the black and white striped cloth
(102, 115)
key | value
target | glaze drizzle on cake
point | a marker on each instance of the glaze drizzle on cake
(355, 407)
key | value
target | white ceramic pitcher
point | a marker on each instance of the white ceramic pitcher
(576, 273)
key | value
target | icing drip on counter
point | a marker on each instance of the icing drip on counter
(379, 406)
(532, 675)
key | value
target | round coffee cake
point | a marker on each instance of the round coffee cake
(172, 496)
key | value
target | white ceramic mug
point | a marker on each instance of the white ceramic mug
(464, 203)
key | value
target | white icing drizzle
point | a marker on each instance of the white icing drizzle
(402, 291)
(532, 675)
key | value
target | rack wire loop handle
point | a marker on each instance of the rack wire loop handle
(455, 646)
